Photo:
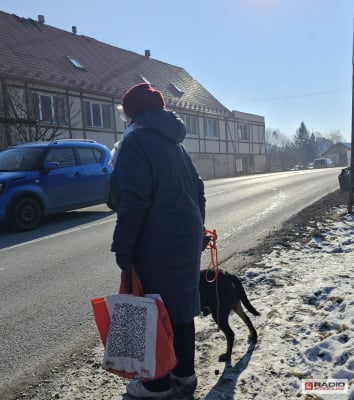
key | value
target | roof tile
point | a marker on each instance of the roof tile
(30, 50)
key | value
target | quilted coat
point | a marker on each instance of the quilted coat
(161, 211)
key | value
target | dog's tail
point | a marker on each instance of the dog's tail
(243, 295)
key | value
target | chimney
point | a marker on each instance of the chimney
(147, 53)
(74, 29)
(41, 19)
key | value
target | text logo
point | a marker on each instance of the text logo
(324, 386)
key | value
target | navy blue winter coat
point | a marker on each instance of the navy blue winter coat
(161, 212)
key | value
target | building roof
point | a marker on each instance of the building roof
(338, 146)
(35, 52)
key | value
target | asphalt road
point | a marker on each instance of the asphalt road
(48, 276)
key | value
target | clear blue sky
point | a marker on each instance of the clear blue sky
(287, 60)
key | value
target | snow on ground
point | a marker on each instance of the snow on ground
(305, 294)
(306, 330)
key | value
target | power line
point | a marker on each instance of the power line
(299, 95)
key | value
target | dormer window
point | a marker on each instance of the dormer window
(76, 63)
(142, 77)
(175, 90)
(180, 91)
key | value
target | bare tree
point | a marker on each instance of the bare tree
(335, 136)
(280, 152)
(30, 116)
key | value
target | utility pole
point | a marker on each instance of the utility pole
(351, 173)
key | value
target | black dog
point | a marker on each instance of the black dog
(219, 298)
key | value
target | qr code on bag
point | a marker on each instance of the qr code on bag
(127, 331)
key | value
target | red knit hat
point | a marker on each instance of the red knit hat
(142, 97)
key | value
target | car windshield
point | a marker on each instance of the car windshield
(20, 159)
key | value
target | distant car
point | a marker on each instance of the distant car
(323, 163)
(297, 167)
(43, 178)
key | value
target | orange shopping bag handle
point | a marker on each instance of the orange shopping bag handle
(130, 283)
(102, 318)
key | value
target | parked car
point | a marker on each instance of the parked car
(43, 178)
(323, 163)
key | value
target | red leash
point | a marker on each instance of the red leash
(214, 265)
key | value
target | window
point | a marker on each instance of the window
(191, 123)
(211, 127)
(240, 165)
(76, 63)
(175, 90)
(98, 115)
(142, 77)
(64, 156)
(243, 132)
(179, 90)
(20, 159)
(89, 156)
(50, 108)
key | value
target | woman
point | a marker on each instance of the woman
(159, 229)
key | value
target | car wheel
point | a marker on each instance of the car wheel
(25, 214)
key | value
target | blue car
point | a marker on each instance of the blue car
(43, 178)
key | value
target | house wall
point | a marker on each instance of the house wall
(75, 113)
(250, 138)
(223, 155)
(212, 166)
(192, 144)
(260, 163)
(339, 154)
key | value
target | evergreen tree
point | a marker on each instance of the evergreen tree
(301, 137)
(312, 148)
(304, 144)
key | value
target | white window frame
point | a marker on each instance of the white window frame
(211, 127)
(191, 122)
(95, 114)
(56, 112)
(243, 131)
